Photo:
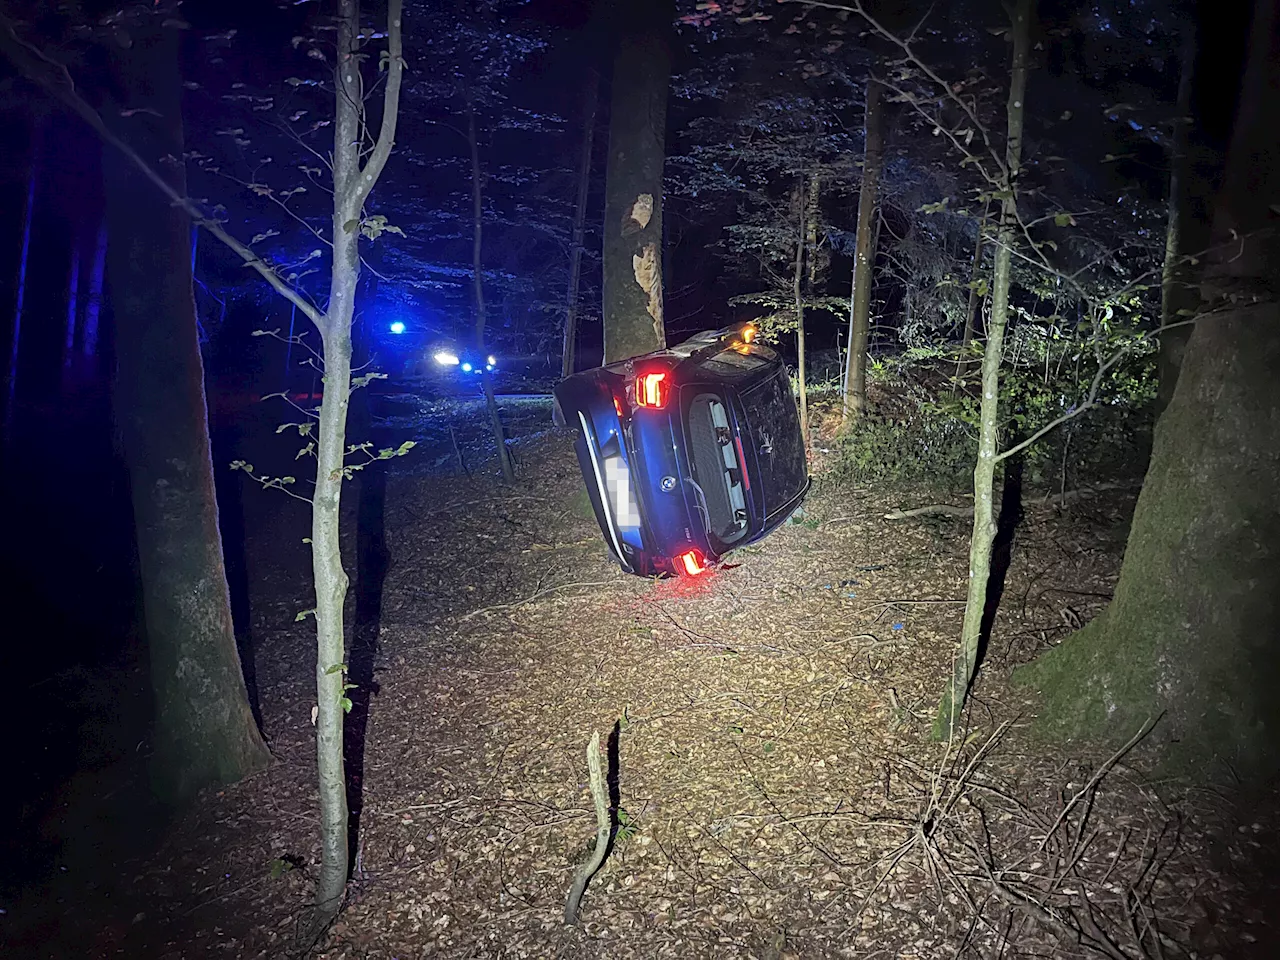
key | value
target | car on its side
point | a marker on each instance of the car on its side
(689, 452)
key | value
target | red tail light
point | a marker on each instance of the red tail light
(692, 563)
(617, 405)
(652, 390)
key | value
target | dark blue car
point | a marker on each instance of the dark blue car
(688, 452)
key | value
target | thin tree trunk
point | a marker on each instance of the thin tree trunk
(11, 380)
(204, 729)
(477, 272)
(798, 294)
(93, 306)
(984, 523)
(351, 187)
(971, 309)
(72, 323)
(1183, 230)
(633, 240)
(569, 354)
(864, 255)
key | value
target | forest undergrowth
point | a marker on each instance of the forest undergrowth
(775, 789)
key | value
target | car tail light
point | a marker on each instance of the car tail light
(652, 390)
(617, 405)
(692, 563)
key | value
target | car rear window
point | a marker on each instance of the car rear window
(773, 426)
(731, 365)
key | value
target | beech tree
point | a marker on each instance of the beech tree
(356, 163)
(1191, 634)
(204, 729)
(634, 321)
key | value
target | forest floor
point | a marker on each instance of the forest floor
(777, 792)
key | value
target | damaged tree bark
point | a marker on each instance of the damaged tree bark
(634, 322)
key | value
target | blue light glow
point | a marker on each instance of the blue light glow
(397, 327)
(466, 368)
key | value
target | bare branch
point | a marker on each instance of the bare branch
(390, 106)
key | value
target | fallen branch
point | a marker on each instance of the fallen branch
(946, 510)
(599, 793)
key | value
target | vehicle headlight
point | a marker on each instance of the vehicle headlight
(445, 358)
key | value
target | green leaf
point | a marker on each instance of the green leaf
(302, 615)
(335, 668)
(768, 748)
(346, 704)
(1064, 219)
(350, 226)
(279, 867)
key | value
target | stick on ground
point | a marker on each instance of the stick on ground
(599, 793)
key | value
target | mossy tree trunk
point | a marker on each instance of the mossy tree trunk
(984, 521)
(204, 731)
(1193, 630)
(633, 305)
(864, 256)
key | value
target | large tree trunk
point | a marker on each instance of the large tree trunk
(205, 732)
(1193, 630)
(864, 256)
(984, 522)
(633, 307)
(1187, 232)
(477, 273)
(569, 355)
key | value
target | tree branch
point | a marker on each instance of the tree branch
(390, 106)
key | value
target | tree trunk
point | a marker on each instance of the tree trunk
(797, 289)
(93, 306)
(19, 305)
(864, 257)
(204, 730)
(633, 307)
(1187, 232)
(971, 309)
(1193, 630)
(477, 272)
(569, 354)
(984, 523)
(72, 322)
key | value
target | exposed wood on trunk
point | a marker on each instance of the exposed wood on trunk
(984, 521)
(864, 255)
(569, 354)
(634, 321)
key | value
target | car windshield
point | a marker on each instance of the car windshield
(772, 425)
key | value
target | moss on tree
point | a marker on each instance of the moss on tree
(1192, 630)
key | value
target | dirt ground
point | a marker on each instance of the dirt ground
(776, 791)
